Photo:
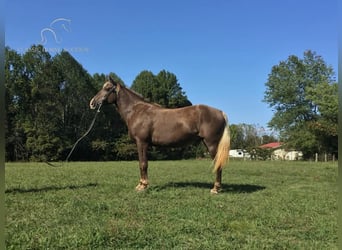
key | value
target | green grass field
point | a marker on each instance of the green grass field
(93, 205)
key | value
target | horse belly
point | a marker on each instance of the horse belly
(174, 134)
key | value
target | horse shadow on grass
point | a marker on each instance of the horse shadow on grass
(49, 188)
(226, 188)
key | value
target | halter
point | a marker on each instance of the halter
(110, 91)
(106, 96)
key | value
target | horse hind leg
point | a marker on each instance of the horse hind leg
(212, 149)
(218, 182)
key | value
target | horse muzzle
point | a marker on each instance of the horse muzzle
(93, 103)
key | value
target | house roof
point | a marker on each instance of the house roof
(271, 145)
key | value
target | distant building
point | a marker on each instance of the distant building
(280, 153)
(239, 153)
(272, 145)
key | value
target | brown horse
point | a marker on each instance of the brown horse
(151, 124)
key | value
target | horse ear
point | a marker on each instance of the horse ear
(116, 85)
(111, 80)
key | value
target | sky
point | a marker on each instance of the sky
(221, 51)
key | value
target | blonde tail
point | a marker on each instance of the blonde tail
(222, 155)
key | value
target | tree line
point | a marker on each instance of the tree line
(47, 110)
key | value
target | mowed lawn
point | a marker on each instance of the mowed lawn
(93, 205)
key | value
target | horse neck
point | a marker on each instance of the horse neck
(126, 99)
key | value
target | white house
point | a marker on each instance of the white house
(238, 153)
(294, 155)
(279, 153)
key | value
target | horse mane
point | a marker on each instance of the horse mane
(140, 96)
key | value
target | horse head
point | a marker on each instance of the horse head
(106, 95)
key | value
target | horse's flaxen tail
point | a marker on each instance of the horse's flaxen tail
(222, 154)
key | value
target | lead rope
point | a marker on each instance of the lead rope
(87, 132)
(84, 135)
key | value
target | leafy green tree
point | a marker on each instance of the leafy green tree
(236, 137)
(293, 92)
(146, 84)
(30, 94)
(72, 89)
(267, 138)
(163, 89)
(169, 91)
(325, 125)
(16, 106)
(100, 79)
(47, 104)
(244, 136)
(125, 149)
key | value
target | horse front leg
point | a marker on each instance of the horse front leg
(143, 165)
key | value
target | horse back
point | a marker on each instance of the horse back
(162, 126)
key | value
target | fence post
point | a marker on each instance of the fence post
(316, 157)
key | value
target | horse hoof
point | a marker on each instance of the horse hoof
(140, 187)
(214, 191)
